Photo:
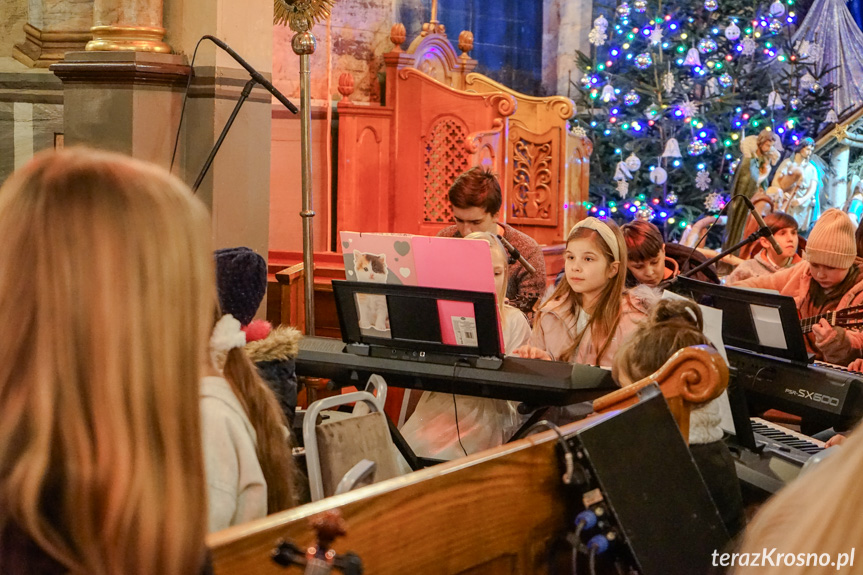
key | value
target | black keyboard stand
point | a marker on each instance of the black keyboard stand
(562, 415)
(415, 463)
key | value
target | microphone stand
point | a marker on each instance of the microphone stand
(759, 233)
(247, 91)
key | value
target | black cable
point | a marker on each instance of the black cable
(576, 546)
(568, 457)
(185, 97)
(592, 561)
(455, 409)
(457, 430)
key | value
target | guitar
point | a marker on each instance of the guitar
(850, 317)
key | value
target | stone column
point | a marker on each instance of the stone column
(237, 187)
(52, 29)
(128, 25)
(573, 26)
(838, 186)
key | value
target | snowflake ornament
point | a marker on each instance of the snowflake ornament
(689, 108)
(656, 35)
(749, 46)
(578, 132)
(597, 37)
(702, 180)
(714, 202)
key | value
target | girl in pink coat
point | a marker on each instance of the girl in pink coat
(588, 316)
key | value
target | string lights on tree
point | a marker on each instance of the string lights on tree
(678, 85)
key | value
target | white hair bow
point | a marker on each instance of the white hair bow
(226, 336)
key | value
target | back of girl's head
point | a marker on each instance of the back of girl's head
(778, 221)
(497, 251)
(106, 281)
(671, 326)
(643, 240)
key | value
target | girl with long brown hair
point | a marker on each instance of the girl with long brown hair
(106, 282)
(588, 315)
(247, 453)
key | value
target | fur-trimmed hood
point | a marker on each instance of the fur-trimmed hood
(281, 344)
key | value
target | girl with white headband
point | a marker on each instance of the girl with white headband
(587, 316)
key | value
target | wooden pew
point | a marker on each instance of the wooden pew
(499, 511)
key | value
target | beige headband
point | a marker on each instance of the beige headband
(603, 230)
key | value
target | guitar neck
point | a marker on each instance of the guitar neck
(807, 323)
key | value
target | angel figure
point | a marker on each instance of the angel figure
(795, 185)
(854, 204)
(760, 154)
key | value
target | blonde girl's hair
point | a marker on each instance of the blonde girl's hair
(270, 424)
(606, 314)
(818, 513)
(106, 278)
(671, 326)
(496, 247)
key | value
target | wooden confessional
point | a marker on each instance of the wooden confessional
(506, 510)
(397, 159)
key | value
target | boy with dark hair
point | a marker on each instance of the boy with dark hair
(475, 199)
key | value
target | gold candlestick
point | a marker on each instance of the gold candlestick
(301, 15)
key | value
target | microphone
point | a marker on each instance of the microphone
(516, 255)
(767, 233)
(256, 76)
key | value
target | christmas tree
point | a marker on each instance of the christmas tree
(671, 89)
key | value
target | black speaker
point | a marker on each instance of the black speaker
(638, 500)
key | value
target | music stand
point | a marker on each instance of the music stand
(760, 322)
(414, 330)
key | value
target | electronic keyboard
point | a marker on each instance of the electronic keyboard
(780, 456)
(820, 393)
(533, 381)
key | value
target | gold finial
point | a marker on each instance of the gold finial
(300, 15)
(346, 86)
(398, 34)
(465, 42)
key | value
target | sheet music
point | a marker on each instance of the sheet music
(713, 332)
(768, 326)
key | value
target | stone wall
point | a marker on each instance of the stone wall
(529, 46)
(13, 15)
(31, 113)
